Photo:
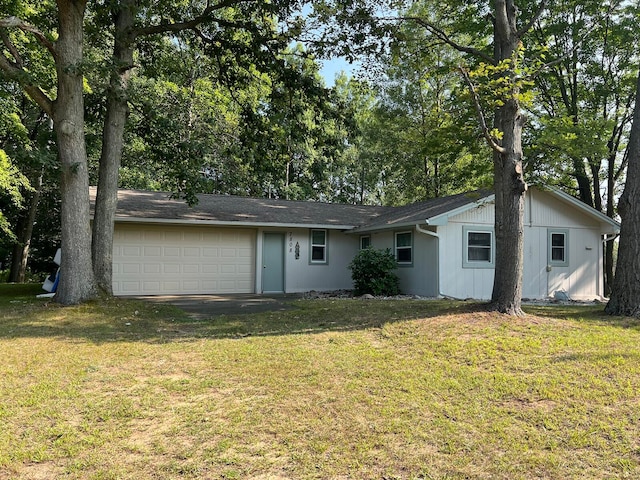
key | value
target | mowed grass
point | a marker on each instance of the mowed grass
(332, 389)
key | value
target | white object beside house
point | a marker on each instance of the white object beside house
(445, 246)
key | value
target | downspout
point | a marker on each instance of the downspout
(437, 237)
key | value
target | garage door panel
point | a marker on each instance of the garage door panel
(168, 287)
(154, 268)
(172, 236)
(244, 269)
(190, 260)
(131, 268)
(171, 251)
(129, 251)
(152, 251)
(149, 287)
(153, 236)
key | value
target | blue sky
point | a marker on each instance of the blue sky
(331, 68)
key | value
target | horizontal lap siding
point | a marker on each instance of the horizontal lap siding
(156, 259)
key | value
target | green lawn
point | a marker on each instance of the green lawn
(334, 389)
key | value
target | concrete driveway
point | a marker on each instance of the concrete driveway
(206, 306)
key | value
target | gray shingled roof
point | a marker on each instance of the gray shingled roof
(138, 204)
(420, 211)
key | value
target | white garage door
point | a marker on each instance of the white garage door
(164, 260)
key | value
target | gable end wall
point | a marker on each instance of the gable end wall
(581, 279)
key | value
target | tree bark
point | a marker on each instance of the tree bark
(77, 282)
(24, 230)
(510, 188)
(625, 292)
(112, 145)
(509, 183)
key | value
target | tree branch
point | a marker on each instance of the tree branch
(205, 16)
(15, 22)
(21, 77)
(541, 8)
(483, 123)
(441, 34)
(12, 48)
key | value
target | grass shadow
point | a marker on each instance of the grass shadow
(120, 319)
(591, 313)
(129, 320)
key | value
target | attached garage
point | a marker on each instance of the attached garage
(170, 259)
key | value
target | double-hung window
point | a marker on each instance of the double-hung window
(318, 246)
(365, 241)
(558, 247)
(479, 247)
(404, 248)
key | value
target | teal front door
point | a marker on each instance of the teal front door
(273, 262)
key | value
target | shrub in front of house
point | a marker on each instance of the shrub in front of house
(372, 272)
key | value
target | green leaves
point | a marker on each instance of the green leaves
(372, 272)
(12, 181)
(509, 79)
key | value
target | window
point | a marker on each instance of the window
(365, 241)
(478, 247)
(318, 246)
(558, 249)
(404, 248)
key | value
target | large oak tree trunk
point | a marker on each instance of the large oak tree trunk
(509, 183)
(112, 144)
(77, 282)
(625, 292)
(509, 189)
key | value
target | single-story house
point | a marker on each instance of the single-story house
(444, 246)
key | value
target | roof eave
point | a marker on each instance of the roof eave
(601, 217)
(378, 228)
(223, 223)
(443, 218)
(436, 220)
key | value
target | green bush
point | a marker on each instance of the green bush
(372, 272)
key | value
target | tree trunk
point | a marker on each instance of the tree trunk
(584, 184)
(509, 183)
(77, 282)
(24, 230)
(610, 212)
(625, 292)
(112, 144)
(509, 186)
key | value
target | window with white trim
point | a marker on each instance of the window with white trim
(479, 247)
(318, 246)
(365, 241)
(404, 248)
(558, 247)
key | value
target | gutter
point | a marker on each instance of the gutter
(229, 223)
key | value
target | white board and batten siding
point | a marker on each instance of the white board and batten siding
(456, 281)
(580, 279)
(168, 259)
